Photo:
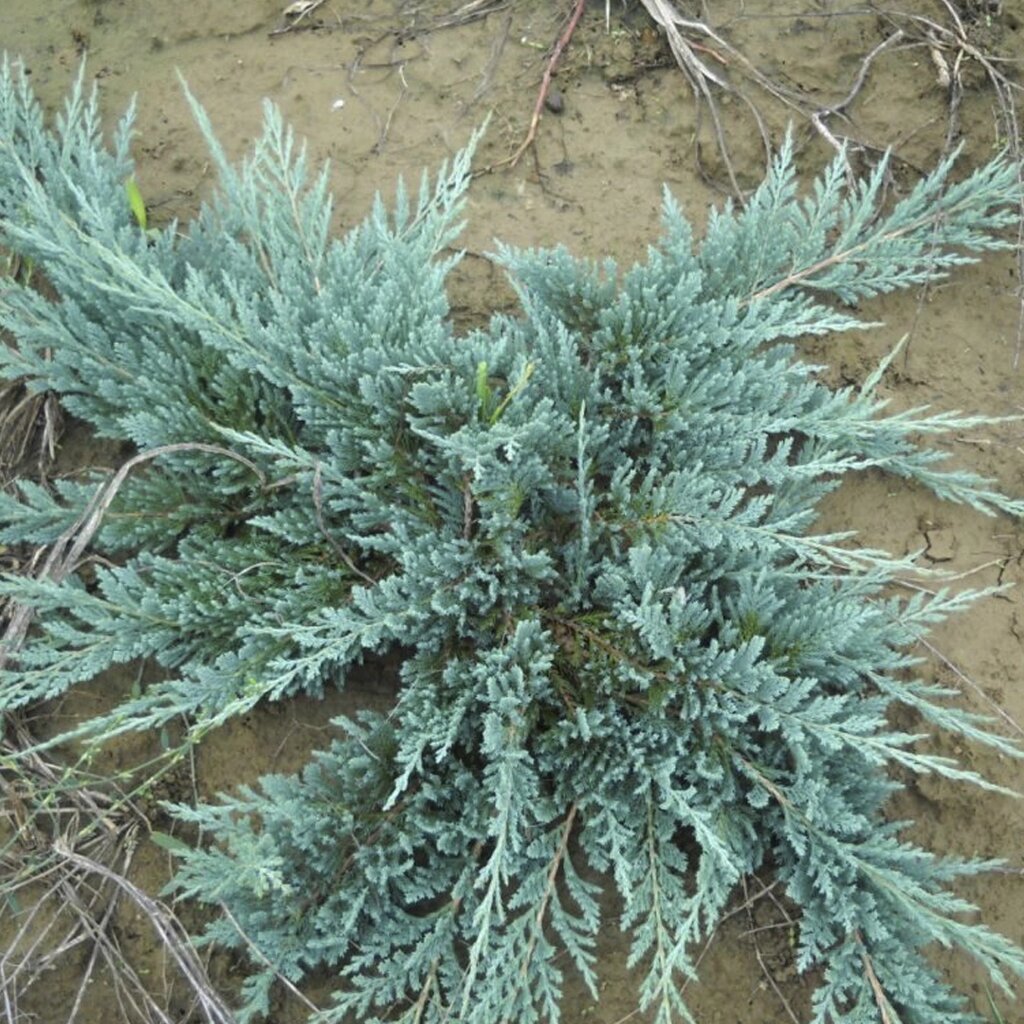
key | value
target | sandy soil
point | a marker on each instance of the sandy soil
(381, 95)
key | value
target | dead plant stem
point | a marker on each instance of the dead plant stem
(545, 85)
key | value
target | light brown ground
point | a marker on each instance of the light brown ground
(380, 105)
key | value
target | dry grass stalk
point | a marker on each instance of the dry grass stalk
(173, 936)
(28, 419)
(63, 830)
(950, 46)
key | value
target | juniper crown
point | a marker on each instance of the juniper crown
(629, 661)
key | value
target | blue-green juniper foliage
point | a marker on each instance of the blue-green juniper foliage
(628, 661)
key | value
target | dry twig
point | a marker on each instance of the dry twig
(949, 46)
(545, 86)
(172, 935)
(295, 14)
(61, 831)
(753, 932)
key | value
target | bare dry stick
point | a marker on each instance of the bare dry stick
(39, 937)
(263, 958)
(698, 74)
(702, 78)
(745, 905)
(378, 147)
(91, 911)
(818, 116)
(90, 920)
(10, 1005)
(468, 13)
(294, 14)
(884, 1006)
(545, 86)
(20, 414)
(962, 676)
(170, 931)
(494, 59)
(90, 967)
(957, 40)
(17, 744)
(769, 977)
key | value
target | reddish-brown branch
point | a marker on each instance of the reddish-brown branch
(545, 85)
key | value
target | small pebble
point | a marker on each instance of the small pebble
(554, 101)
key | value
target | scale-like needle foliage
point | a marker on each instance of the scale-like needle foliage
(629, 660)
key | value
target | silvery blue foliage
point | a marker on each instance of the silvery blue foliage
(628, 660)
